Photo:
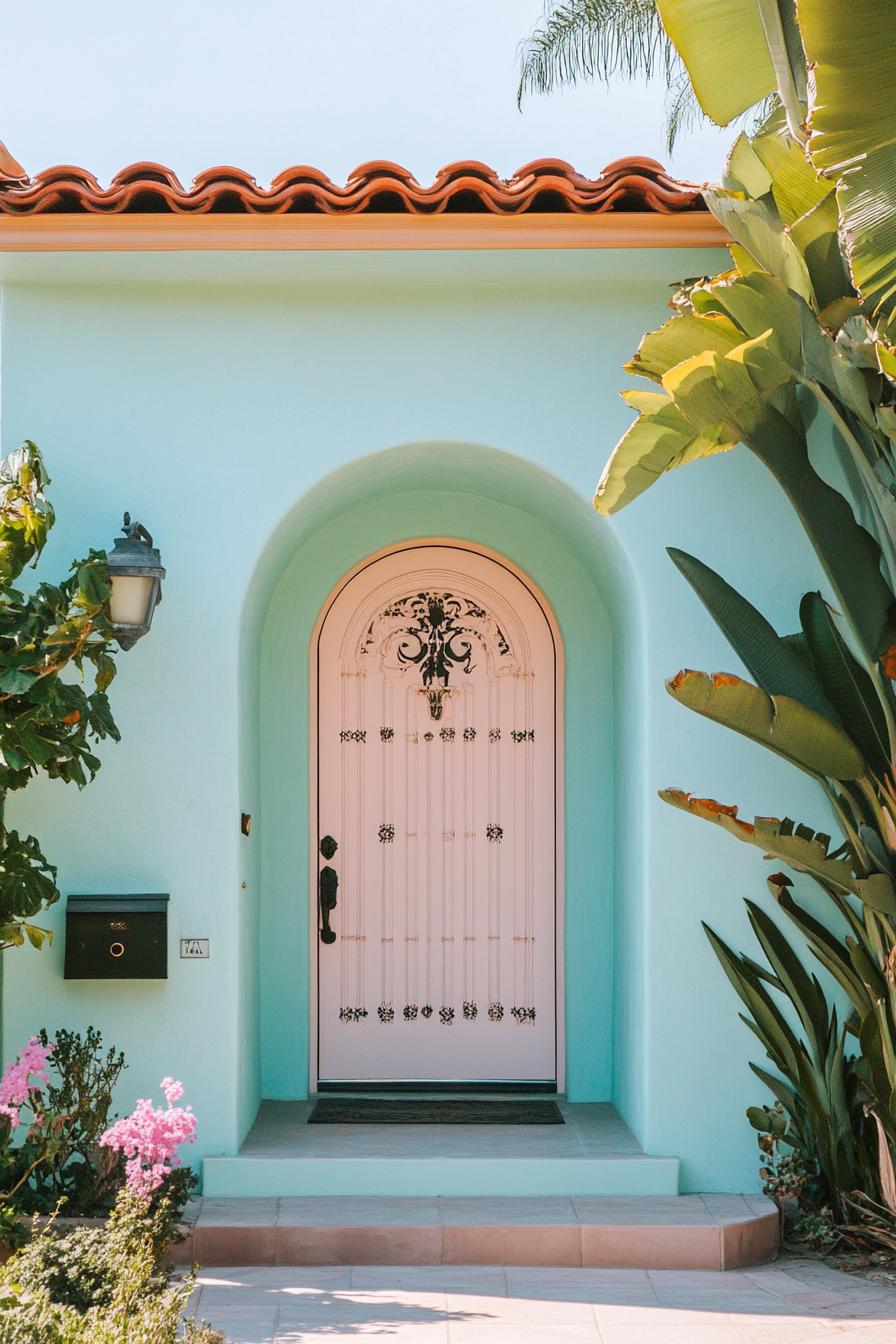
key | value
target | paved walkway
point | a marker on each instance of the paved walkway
(482, 1304)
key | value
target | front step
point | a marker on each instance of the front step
(235, 1177)
(591, 1153)
(682, 1232)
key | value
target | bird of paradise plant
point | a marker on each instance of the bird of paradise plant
(801, 328)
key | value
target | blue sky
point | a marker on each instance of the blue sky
(269, 83)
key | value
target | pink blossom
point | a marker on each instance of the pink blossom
(16, 1086)
(149, 1138)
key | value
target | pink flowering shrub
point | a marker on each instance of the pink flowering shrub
(149, 1138)
(16, 1086)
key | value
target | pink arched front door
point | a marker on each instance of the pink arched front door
(436, 822)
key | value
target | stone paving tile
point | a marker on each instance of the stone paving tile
(796, 1303)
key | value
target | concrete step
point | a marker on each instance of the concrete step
(422, 1177)
(591, 1153)
(678, 1232)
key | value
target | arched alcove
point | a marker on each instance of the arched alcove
(494, 500)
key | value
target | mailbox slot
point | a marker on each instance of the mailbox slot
(116, 937)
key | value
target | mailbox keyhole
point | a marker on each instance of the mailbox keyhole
(116, 949)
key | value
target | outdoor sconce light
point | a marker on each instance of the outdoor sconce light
(136, 572)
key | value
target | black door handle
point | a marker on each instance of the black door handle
(327, 886)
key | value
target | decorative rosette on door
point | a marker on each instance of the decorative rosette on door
(436, 689)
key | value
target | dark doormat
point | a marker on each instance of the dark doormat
(438, 1111)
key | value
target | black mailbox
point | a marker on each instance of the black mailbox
(116, 938)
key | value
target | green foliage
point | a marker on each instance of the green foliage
(797, 332)
(96, 1286)
(602, 39)
(787, 1168)
(75, 1110)
(49, 723)
(72, 1269)
(59, 1164)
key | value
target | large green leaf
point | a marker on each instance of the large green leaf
(849, 554)
(794, 183)
(846, 683)
(775, 664)
(796, 845)
(782, 724)
(851, 47)
(803, 990)
(756, 304)
(829, 950)
(723, 45)
(659, 440)
(682, 336)
(780, 1041)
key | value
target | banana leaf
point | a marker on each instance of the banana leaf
(781, 724)
(723, 46)
(775, 664)
(659, 440)
(798, 847)
(849, 554)
(846, 683)
(851, 46)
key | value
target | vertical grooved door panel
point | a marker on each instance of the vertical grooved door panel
(436, 777)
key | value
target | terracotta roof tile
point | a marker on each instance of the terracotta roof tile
(380, 187)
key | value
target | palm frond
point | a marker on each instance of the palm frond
(682, 109)
(594, 39)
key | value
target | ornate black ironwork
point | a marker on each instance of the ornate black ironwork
(387, 734)
(523, 734)
(523, 1014)
(352, 1014)
(385, 1012)
(426, 1010)
(446, 1015)
(427, 737)
(469, 734)
(447, 734)
(494, 832)
(353, 735)
(495, 1012)
(386, 833)
(471, 1011)
(494, 735)
(410, 1012)
(439, 638)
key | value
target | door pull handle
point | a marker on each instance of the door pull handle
(327, 886)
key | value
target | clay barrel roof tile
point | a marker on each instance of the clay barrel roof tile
(543, 186)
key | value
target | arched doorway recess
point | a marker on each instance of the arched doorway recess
(518, 510)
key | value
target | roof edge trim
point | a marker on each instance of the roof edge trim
(367, 232)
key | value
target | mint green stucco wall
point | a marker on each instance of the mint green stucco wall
(272, 421)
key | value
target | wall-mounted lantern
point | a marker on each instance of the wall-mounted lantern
(135, 569)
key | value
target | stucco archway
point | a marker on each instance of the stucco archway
(512, 506)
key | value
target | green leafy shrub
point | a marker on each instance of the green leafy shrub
(72, 1269)
(48, 724)
(97, 1286)
(75, 1106)
(59, 1091)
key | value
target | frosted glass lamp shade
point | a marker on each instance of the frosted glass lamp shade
(136, 573)
(129, 602)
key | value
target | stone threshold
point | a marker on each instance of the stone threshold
(713, 1231)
